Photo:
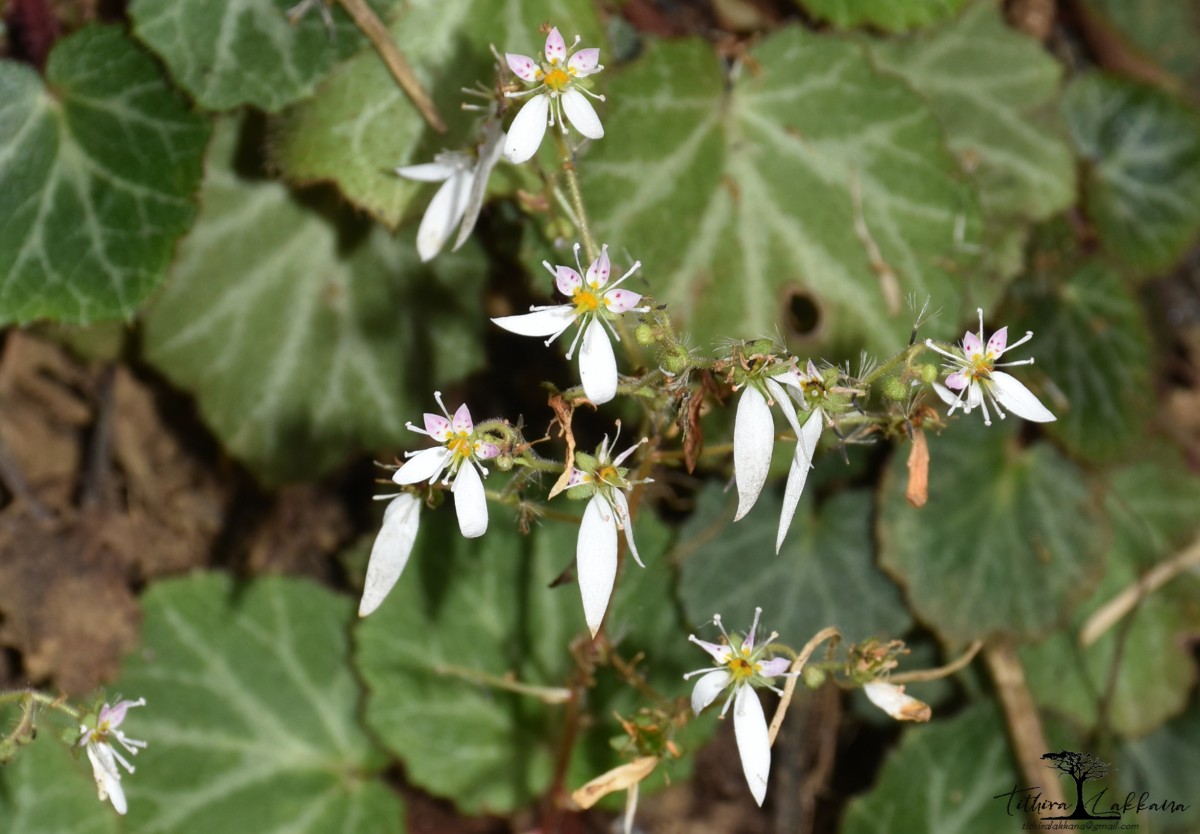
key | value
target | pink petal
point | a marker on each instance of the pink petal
(620, 301)
(774, 667)
(597, 274)
(522, 66)
(556, 48)
(578, 476)
(719, 652)
(567, 280)
(972, 347)
(437, 426)
(995, 345)
(486, 451)
(462, 419)
(584, 62)
(957, 380)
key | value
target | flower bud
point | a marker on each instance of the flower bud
(927, 373)
(644, 335)
(894, 389)
(503, 462)
(675, 362)
(813, 676)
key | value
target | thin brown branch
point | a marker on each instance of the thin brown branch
(946, 671)
(370, 24)
(1021, 714)
(829, 633)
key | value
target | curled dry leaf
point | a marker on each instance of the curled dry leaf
(620, 778)
(917, 491)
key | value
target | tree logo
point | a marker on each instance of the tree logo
(1081, 767)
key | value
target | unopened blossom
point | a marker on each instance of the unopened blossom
(557, 95)
(891, 699)
(607, 512)
(742, 666)
(393, 546)
(594, 308)
(754, 440)
(974, 376)
(104, 757)
(459, 456)
(464, 177)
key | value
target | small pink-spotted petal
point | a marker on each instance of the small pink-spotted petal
(585, 62)
(522, 66)
(567, 280)
(578, 476)
(581, 114)
(462, 419)
(719, 652)
(116, 714)
(774, 667)
(957, 380)
(486, 451)
(556, 47)
(995, 345)
(621, 301)
(437, 426)
(597, 273)
(708, 688)
(972, 347)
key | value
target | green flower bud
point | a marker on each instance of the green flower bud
(927, 373)
(894, 389)
(675, 362)
(503, 462)
(644, 335)
(813, 676)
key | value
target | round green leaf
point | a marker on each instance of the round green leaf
(890, 15)
(251, 714)
(824, 575)
(469, 611)
(740, 198)
(227, 53)
(1165, 31)
(1142, 180)
(1006, 541)
(302, 331)
(1093, 344)
(943, 779)
(98, 166)
(47, 789)
(996, 92)
(1140, 669)
(360, 125)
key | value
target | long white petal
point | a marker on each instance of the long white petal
(623, 510)
(391, 550)
(753, 440)
(753, 741)
(945, 394)
(470, 502)
(1013, 395)
(596, 560)
(893, 700)
(489, 155)
(581, 114)
(538, 323)
(428, 172)
(597, 364)
(108, 779)
(806, 444)
(708, 688)
(445, 210)
(784, 402)
(425, 465)
(527, 129)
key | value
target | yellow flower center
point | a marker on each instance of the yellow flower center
(557, 79)
(459, 445)
(981, 366)
(586, 301)
(740, 667)
(608, 474)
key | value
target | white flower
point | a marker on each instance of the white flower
(740, 668)
(391, 550)
(594, 308)
(459, 446)
(977, 381)
(606, 512)
(891, 699)
(104, 757)
(557, 94)
(754, 441)
(465, 179)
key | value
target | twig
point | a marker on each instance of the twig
(829, 633)
(381, 39)
(1112, 611)
(99, 458)
(940, 672)
(545, 694)
(1020, 713)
